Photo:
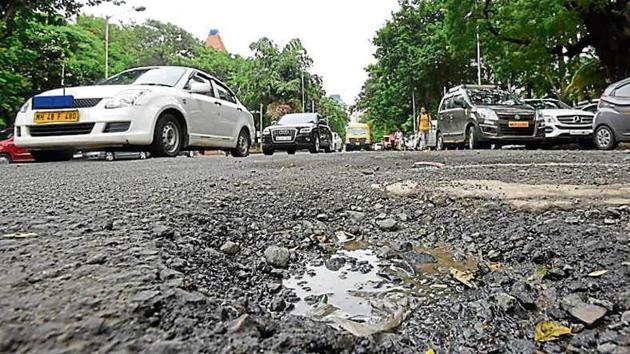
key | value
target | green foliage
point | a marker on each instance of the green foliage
(32, 57)
(558, 48)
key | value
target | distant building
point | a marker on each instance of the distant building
(338, 99)
(214, 41)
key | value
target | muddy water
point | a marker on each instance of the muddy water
(356, 284)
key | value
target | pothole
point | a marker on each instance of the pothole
(365, 291)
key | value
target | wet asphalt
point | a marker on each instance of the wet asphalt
(172, 255)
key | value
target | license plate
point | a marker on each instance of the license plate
(580, 132)
(518, 124)
(283, 138)
(56, 117)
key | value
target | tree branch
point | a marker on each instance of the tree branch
(495, 31)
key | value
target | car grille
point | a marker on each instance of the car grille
(86, 102)
(117, 127)
(282, 133)
(61, 129)
(576, 120)
(521, 116)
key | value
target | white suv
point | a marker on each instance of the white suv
(564, 123)
(164, 109)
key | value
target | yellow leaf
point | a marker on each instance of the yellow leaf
(598, 273)
(548, 331)
(465, 278)
(430, 351)
(495, 267)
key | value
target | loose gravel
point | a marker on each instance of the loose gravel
(216, 254)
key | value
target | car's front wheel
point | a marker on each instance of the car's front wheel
(242, 146)
(315, 147)
(5, 159)
(440, 142)
(605, 138)
(168, 137)
(52, 155)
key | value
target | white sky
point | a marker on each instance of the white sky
(336, 33)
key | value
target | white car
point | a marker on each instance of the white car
(164, 109)
(564, 123)
(337, 143)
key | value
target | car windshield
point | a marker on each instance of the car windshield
(493, 98)
(548, 104)
(168, 77)
(297, 119)
(6, 134)
(357, 131)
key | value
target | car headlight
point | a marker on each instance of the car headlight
(266, 131)
(306, 130)
(126, 99)
(25, 107)
(488, 115)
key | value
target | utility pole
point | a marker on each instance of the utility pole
(303, 94)
(261, 123)
(107, 19)
(478, 57)
(413, 105)
(313, 106)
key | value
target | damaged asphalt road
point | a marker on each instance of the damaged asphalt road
(234, 256)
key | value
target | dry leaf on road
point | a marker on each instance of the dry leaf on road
(465, 278)
(548, 331)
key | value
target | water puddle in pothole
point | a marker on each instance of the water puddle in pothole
(364, 293)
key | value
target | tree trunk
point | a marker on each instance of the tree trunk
(609, 30)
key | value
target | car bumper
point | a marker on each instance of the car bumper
(96, 135)
(568, 132)
(502, 133)
(301, 142)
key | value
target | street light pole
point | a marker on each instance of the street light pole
(107, 19)
(478, 57)
(303, 94)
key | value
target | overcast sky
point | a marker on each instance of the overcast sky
(337, 33)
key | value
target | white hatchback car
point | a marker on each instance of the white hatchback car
(164, 109)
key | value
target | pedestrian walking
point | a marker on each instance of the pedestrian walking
(424, 126)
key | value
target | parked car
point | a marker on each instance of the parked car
(480, 115)
(563, 123)
(298, 131)
(116, 155)
(337, 143)
(9, 152)
(612, 121)
(358, 137)
(162, 109)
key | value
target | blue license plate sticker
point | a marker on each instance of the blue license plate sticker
(53, 102)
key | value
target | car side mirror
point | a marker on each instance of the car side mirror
(274, 122)
(323, 122)
(200, 87)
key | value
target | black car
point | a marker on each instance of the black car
(612, 121)
(477, 116)
(298, 131)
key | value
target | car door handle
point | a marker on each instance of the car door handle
(218, 103)
(239, 109)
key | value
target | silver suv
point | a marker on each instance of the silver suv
(478, 116)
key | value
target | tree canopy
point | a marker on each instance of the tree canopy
(40, 42)
(569, 49)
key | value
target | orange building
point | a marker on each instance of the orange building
(214, 41)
